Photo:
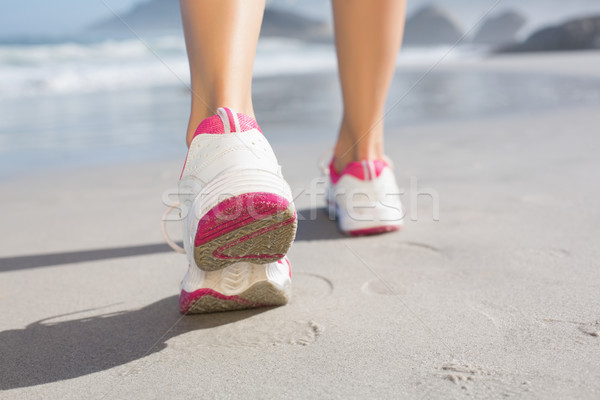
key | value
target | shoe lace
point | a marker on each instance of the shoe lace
(163, 229)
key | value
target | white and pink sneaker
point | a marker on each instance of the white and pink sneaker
(238, 217)
(365, 198)
(239, 286)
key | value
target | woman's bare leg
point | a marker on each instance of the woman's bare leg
(368, 37)
(221, 38)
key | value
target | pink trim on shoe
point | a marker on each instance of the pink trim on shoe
(187, 300)
(358, 169)
(231, 120)
(288, 264)
(247, 123)
(236, 212)
(214, 125)
(374, 231)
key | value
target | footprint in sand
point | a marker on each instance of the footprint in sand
(587, 328)
(271, 327)
(592, 329)
(480, 380)
(423, 246)
(308, 286)
(410, 253)
(253, 333)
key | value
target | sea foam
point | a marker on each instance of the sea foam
(76, 67)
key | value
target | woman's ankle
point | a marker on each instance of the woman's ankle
(352, 146)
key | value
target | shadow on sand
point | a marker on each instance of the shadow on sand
(313, 224)
(47, 351)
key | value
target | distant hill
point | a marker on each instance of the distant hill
(151, 16)
(431, 26)
(163, 16)
(576, 34)
(500, 29)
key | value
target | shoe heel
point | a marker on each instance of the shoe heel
(255, 226)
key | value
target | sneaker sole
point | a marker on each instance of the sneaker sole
(237, 287)
(374, 230)
(242, 215)
(254, 227)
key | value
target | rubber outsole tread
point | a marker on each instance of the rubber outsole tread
(268, 239)
(261, 294)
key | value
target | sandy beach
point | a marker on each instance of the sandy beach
(498, 297)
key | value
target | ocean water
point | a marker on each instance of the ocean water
(75, 66)
(70, 103)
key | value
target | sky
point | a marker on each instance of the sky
(61, 17)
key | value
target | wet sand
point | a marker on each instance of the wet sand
(498, 297)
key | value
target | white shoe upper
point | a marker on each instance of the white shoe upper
(217, 148)
(228, 156)
(365, 198)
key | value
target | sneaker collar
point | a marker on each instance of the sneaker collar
(227, 121)
(364, 170)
